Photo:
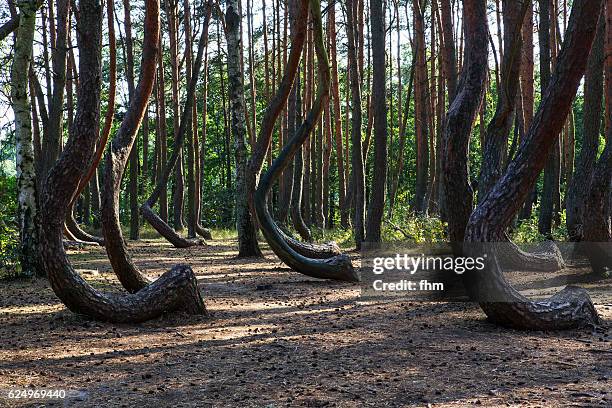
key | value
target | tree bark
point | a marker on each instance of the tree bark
(449, 55)
(597, 223)
(379, 181)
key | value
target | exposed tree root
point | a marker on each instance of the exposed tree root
(203, 232)
(545, 258)
(309, 250)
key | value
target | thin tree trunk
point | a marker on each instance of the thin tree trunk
(379, 181)
(496, 140)
(421, 120)
(192, 129)
(357, 154)
(335, 88)
(449, 54)
(134, 157)
(247, 237)
(528, 90)
(298, 174)
(163, 135)
(178, 187)
(550, 171)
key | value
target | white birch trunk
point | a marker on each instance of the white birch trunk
(26, 174)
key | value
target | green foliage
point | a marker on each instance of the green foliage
(527, 230)
(417, 229)
(9, 232)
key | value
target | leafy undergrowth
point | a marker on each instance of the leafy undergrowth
(277, 338)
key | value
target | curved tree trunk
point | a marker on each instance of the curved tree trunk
(311, 250)
(277, 104)
(339, 267)
(79, 233)
(147, 208)
(116, 160)
(176, 289)
(572, 307)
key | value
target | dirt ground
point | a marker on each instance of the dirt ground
(276, 338)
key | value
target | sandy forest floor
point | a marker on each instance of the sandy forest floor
(276, 338)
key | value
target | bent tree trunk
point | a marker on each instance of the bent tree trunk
(175, 290)
(29, 256)
(339, 267)
(147, 208)
(572, 307)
